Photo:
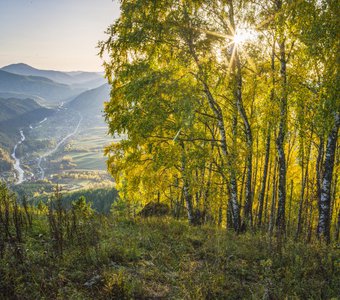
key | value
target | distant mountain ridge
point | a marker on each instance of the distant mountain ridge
(36, 86)
(26, 70)
(76, 78)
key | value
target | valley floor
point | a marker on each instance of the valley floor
(64, 149)
(162, 258)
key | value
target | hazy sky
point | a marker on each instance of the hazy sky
(54, 34)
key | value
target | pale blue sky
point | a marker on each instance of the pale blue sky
(54, 34)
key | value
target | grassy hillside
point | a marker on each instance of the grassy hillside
(52, 253)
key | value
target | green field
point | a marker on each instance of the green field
(87, 148)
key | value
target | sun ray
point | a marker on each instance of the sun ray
(250, 61)
(233, 54)
(240, 37)
(217, 34)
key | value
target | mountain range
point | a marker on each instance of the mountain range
(89, 79)
(42, 87)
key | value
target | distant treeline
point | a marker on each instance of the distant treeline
(100, 199)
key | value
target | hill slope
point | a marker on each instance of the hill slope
(92, 101)
(12, 108)
(79, 254)
(36, 86)
(17, 113)
(41, 101)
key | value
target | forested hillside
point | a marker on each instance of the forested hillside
(91, 102)
(101, 199)
(12, 108)
(5, 161)
(15, 114)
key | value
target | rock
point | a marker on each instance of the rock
(155, 209)
(93, 281)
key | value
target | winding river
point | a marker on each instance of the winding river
(20, 174)
(43, 121)
(19, 171)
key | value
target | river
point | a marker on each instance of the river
(19, 171)
(20, 174)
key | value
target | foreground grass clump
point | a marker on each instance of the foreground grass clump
(165, 258)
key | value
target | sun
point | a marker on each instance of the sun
(243, 36)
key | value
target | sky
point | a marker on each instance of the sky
(54, 34)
